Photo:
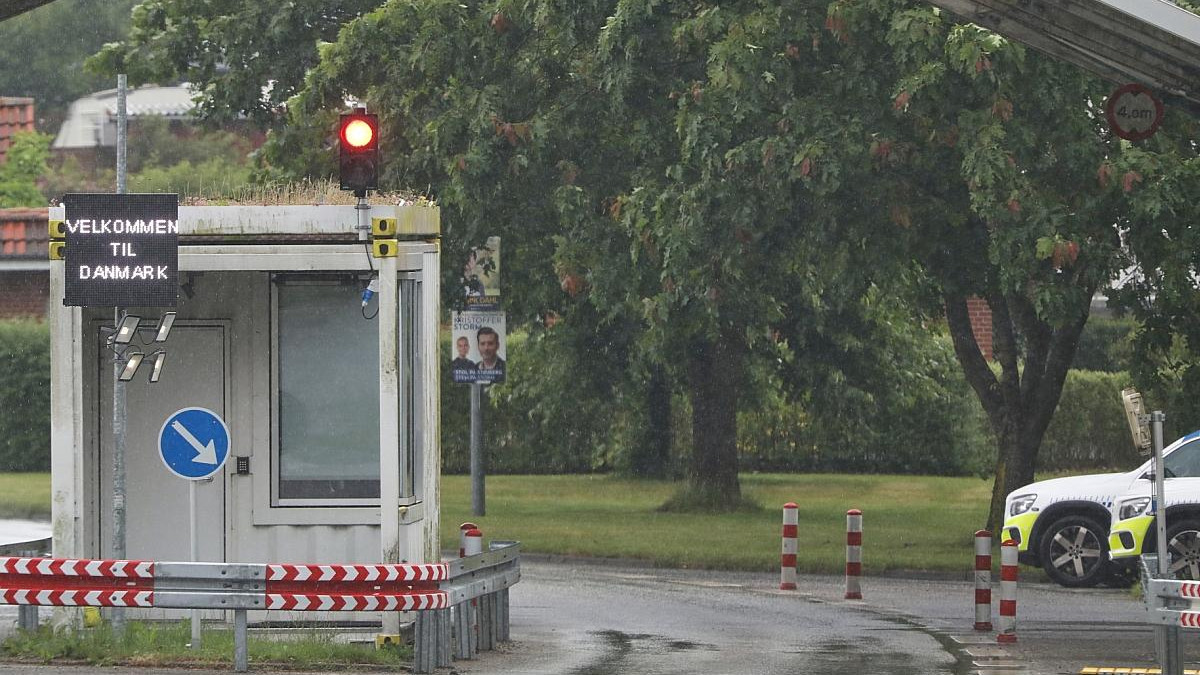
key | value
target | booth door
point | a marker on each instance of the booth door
(157, 522)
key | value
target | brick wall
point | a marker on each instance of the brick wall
(24, 293)
(981, 324)
(24, 237)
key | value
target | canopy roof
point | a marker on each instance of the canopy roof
(1151, 42)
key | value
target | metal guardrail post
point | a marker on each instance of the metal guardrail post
(241, 652)
(1166, 635)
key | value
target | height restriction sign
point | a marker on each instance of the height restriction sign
(122, 250)
(1133, 112)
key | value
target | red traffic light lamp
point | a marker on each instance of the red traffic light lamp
(358, 151)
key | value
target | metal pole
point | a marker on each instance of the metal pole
(119, 411)
(1166, 637)
(194, 537)
(478, 505)
(122, 119)
(241, 656)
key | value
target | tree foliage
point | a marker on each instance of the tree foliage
(42, 52)
(247, 58)
(24, 166)
(738, 182)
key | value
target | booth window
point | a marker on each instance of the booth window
(327, 409)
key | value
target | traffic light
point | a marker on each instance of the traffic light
(358, 152)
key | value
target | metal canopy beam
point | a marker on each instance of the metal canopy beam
(11, 8)
(1152, 42)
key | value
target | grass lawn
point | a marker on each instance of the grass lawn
(25, 495)
(909, 522)
(164, 644)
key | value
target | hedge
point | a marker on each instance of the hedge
(24, 396)
(1089, 430)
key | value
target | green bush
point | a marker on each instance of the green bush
(24, 396)
(1089, 430)
(540, 421)
(1106, 344)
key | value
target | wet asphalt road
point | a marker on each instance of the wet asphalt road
(576, 618)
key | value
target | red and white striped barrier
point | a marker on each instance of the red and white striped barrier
(360, 573)
(787, 560)
(76, 583)
(853, 554)
(983, 580)
(462, 537)
(349, 588)
(1008, 593)
(300, 602)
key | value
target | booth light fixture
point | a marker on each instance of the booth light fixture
(131, 366)
(159, 358)
(164, 327)
(126, 329)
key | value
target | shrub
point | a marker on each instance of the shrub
(1089, 430)
(1106, 344)
(24, 396)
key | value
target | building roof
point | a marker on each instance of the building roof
(16, 114)
(24, 234)
(92, 120)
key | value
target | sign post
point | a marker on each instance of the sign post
(194, 444)
(478, 350)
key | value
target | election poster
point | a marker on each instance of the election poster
(478, 347)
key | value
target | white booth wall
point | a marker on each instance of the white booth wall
(231, 350)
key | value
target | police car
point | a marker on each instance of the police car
(1063, 524)
(1132, 521)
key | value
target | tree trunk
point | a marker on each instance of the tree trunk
(653, 452)
(714, 374)
(1034, 358)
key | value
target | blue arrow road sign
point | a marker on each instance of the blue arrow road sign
(194, 443)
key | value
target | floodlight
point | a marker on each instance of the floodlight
(164, 327)
(131, 366)
(1139, 429)
(159, 358)
(127, 328)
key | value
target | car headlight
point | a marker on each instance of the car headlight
(1133, 508)
(1020, 504)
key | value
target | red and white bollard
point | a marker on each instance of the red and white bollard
(853, 554)
(1008, 593)
(462, 537)
(472, 542)
(983, 580)
(787, 561)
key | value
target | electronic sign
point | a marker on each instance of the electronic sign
(122, 250)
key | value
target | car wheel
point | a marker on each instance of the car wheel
(1074, 551)
(1183, 546)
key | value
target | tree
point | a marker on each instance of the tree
(725, 172)
(246, 59)
(54, 77)
(24, 166)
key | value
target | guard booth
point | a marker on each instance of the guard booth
(332, 406)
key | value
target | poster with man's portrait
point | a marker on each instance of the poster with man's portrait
(478, 347)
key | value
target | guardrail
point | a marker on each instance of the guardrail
(461, 605)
